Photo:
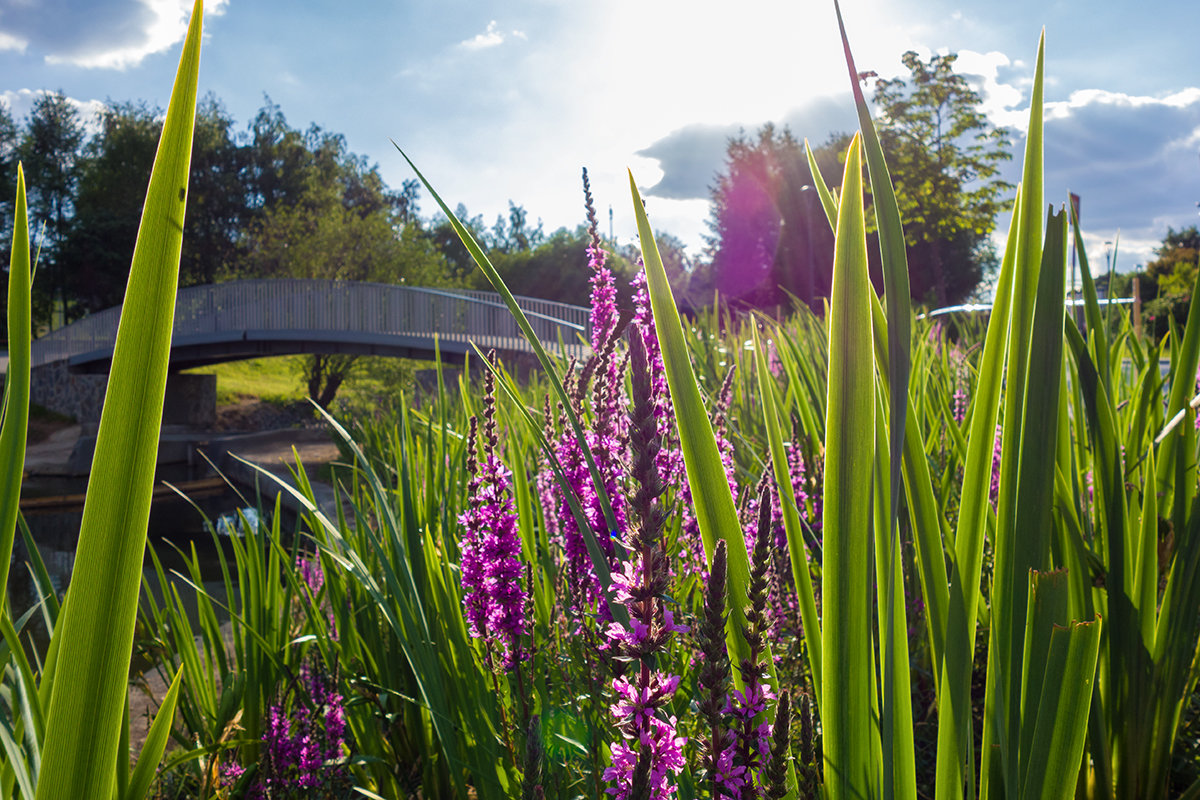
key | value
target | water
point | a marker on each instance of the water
(173, 521)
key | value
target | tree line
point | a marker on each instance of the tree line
(276, 201)
(269, 201)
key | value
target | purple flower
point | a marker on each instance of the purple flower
(604, 298)
(301, 750)
(494, 599)
(666, 758)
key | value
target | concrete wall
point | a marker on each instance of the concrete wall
(191, 400)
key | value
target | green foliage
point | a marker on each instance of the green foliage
(9, 142)
(112, 171)
(557, 269)
(330, 217)
(218, 211)
(50, 146)
(1165, 284)
(1094, 517)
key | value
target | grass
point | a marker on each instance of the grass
(279, 379)
(272, 380)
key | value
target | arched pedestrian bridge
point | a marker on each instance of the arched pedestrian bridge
(250, 319)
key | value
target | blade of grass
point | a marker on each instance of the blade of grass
(899, 315)
(1001, 707)
(1056, 749)
(13, 430)
(955, 754)
(86, 705)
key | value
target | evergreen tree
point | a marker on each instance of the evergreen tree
(54, 136)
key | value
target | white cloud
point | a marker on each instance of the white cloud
(982, 71)
(10, 42)
(492, 37)
(105, 34)
(20, 102)
(167, 26)
(1093, 97)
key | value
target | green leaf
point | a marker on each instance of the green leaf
(155, 745)
(1056, 745)
(15, 408)
(97, 636)
(714, 506)
(846, 569)
(797, 552)
(899, 314)
(954, 750)
(1013, 558)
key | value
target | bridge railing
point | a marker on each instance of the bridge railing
(296, 305)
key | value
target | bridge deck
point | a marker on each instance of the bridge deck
(247, 319)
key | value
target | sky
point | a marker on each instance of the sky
(497, 101)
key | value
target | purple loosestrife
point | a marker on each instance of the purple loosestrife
(301, 754)
(997, 451)
(773, 362)
(960, 385)
(490, 547)
(604, 286)
(775, 772)
(547, 484)
(309, 568)
(717, 748)
(753, 742)
(649, 751)
(670, 456)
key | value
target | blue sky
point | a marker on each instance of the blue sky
(499, 100)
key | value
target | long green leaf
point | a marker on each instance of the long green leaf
(895, 275)
(797, 552)
(15, 409)
(714, 506)
(86, 705)
(850, 436)
(155, 745)
(1056, 745)
(954, 750)
(1001, 705)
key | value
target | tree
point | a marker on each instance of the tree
(333, 219)
(218, 208)
(514, 234)
(1178, 262)
(770, 238)
(9, 140)
(458, 261)
(944, 157)
(557, 269)
(111, 177)
(54, 135)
